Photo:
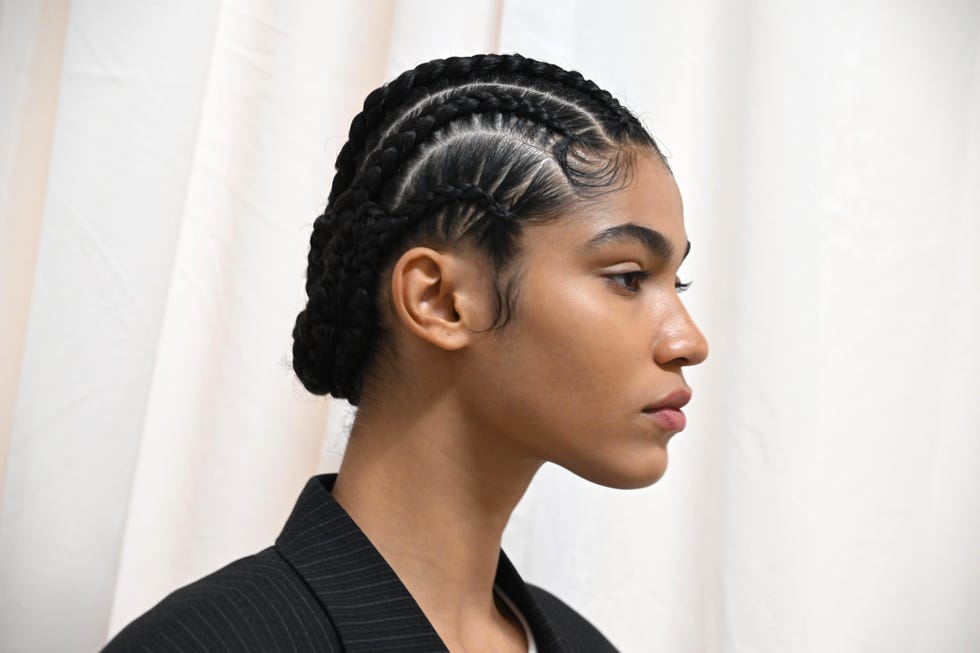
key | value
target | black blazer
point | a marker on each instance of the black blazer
(324, 587)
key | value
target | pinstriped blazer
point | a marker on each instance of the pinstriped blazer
(324, 587)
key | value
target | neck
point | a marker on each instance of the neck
(434, 495)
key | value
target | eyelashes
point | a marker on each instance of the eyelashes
(632, 281)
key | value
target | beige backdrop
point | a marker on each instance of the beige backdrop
(161, 164)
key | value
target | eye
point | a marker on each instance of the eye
(681, 286)
(629, 280)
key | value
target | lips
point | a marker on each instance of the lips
(676, 399)
(666, 412)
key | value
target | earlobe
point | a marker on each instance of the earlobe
(427, 288)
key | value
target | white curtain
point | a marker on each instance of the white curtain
(160, 167)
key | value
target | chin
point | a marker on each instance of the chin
(640, 472)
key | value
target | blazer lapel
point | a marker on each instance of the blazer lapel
(367, 603)
(546, 635)
(365, 600)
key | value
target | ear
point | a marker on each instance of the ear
(439, 296)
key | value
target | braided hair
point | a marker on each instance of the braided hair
(460, 149)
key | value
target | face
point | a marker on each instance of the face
(588, 374)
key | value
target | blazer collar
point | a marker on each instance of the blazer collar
(365, 600)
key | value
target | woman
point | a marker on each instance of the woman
(494, 284)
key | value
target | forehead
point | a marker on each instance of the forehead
(651, 199)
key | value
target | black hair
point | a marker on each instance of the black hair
(465, 149)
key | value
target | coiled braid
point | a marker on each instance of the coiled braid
(456, 149)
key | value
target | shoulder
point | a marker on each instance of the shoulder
(575, 630)
(257, 603)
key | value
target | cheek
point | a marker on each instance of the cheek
(573, 346)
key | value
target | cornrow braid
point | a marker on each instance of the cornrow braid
(433, 198)
(383, 163)
(440, 73)
(463, 149)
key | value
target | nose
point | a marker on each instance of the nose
(681, 342)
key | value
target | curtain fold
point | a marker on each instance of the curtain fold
(223, 394)
(160, 169)
(31, 43)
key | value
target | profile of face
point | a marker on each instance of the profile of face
(588, 373)
(465, 179)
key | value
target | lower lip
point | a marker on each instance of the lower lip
(669, 419)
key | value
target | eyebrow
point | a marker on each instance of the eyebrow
(654, 241)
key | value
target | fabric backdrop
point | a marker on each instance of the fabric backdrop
(161, 164)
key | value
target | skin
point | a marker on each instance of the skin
(439, 457)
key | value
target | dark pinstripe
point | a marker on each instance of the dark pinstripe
(324, 587)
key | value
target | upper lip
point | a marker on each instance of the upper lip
(675, 399)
